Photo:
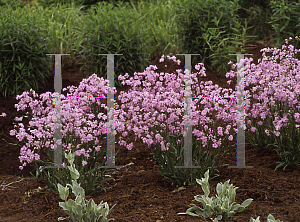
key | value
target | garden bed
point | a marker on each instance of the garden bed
(138, 190)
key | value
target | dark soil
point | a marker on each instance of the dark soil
(138, 191)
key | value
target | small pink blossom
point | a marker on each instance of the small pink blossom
(267, 132)
(277, 133)
(84, 163)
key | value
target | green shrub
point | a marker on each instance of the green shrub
(212, 29)
(86, 3)
(285, 20)
(23, 47)
(255, 3)
(109, 30)
(13, 4)
(62, 28)
(259, 18)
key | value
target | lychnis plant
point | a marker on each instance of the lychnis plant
(152, 110)
(275, 117)
(78, 210)
(80, 133)
(219, 208)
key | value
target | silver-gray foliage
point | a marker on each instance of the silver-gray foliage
(269, 219)
(78, 209)
(219, 208)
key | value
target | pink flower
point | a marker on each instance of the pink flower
(84, 163)
(97, 148)
(130, 146)
(277, 133)
(220, 131)
(267, 132)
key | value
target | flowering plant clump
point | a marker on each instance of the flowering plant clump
(275, 117)
(219, 208)
(152, 112)
(78, 209)
(82, 129)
